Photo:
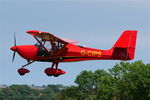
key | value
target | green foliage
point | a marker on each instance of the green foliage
(24, 92)
(125, 81)
(132, 80)
(69, 93)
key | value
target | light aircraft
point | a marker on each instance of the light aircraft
(50, 48)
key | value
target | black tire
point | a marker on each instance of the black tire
(48, 75)
(21, 74)
(56, 75)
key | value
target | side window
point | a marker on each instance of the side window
(58, 45)
(47, 45)
(51, 47)
(41, 52)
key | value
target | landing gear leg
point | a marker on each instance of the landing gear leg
(54, 71)
(57, 65)
(56, 74)
(22, 71)
(30, 62)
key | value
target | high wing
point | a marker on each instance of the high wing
(70, 41)
(45, 36)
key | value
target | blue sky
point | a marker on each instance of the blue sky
(94, 23)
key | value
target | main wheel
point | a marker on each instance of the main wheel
(48, 75)
(57, 72)
(56, 75)
(21, 74)
(49, 71)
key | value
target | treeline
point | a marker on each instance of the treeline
(25, 92)
(124, 81)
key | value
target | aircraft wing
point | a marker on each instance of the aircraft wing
(70, 41)
(46, 36)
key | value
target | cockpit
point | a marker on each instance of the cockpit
(47, 48)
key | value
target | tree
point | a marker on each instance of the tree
(70, 93)
(125, 81)
(132, 80)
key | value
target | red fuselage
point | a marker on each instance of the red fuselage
(123, 49)
(68, 53)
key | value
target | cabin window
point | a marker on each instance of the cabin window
(51, 47)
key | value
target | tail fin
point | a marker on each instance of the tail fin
(124, 48)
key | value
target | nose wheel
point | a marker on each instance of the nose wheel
(22, 71)
(54, 71)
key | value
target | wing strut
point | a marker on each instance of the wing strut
(41, 45)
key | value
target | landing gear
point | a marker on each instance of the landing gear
(49, 71)
(22, 71)
(54, 71)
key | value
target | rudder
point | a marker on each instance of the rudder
(124, 48)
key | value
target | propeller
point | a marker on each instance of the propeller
(13, 56)
(14, 39)
(14, 48)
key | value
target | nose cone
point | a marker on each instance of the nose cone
(26, 51)
(14, 48)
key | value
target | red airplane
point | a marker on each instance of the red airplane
(50, 48)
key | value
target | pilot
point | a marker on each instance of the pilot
(55, 46)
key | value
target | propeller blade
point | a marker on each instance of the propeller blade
(14, 46)
(13, 56)
(14, 39)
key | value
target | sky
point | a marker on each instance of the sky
(94, 23)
